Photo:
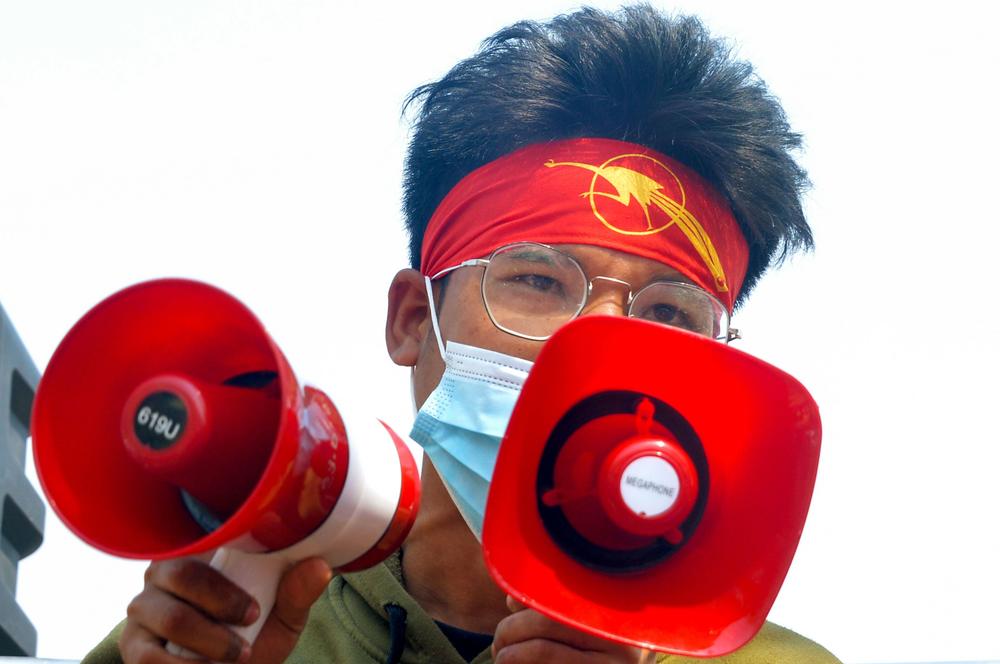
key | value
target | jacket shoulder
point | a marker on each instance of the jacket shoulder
(106, 652)
(773, 644)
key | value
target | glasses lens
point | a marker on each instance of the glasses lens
(531, 290)
(681, 305)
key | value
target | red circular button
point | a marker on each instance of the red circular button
(648, 486)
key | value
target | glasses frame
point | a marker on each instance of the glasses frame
(731, 333)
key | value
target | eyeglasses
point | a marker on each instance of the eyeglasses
(530, 290)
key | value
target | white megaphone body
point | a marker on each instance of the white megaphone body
(168, 423)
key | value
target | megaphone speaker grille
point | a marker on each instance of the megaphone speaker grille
(569, 474)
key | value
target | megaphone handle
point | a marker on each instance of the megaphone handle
(256, 573)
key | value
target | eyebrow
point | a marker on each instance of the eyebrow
(533, 255)
(546, 258)
(678, 278)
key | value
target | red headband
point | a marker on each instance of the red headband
(598, 192)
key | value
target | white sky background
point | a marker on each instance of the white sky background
(258, 146)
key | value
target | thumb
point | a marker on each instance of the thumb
(514, 606)
(298, 589)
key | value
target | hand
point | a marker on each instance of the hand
(187, 602)
(528, 637)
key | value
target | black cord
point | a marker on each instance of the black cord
(397, 632)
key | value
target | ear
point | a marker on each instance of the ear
(408, 318)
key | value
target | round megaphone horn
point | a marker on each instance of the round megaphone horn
(651, 486)
(168, 423)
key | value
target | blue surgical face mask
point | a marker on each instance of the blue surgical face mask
(463, 420)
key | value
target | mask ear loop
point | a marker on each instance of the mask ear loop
(413, 390)
(434, 318)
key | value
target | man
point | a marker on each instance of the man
(507, 245)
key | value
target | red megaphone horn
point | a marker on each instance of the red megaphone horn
(651, 486)
(168, 423)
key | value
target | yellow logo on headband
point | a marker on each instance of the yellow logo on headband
(629, 184)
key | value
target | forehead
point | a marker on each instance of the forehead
(605, 262)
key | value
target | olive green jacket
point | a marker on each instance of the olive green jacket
(349, 624)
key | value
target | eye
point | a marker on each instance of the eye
(678, 305)
(672, 313)
(541, 283)
(669, 314)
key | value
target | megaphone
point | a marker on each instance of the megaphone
(168, 423)
(652, 486)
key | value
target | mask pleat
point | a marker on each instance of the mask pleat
(462, 422)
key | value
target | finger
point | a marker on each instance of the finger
(166, 617)
(550, 652)
(298, 590)
(646, 656)
(529, 624)
(137, 645)
(204, 587)
(513, 605)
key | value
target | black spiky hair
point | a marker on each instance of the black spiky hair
(635, 75)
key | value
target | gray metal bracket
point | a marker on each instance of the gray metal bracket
(22, 512)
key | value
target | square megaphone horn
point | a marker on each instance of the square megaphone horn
(652, 486)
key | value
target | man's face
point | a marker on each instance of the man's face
(463, 317)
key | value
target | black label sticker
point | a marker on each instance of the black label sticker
(159, 421)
